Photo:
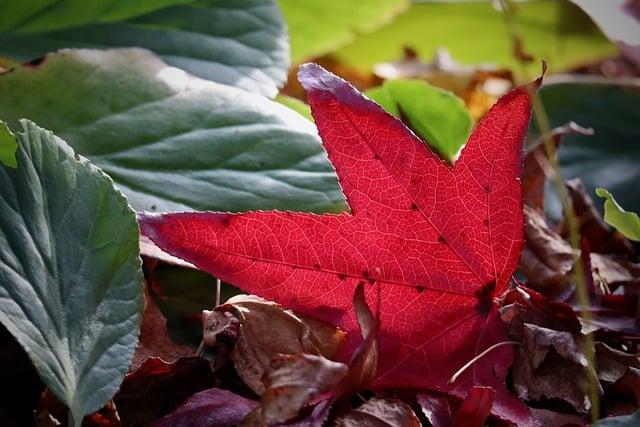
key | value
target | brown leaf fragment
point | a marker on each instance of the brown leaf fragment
(537, 168)
(521, 305)
(154, 339)
(551, 364)
(547, 418)
(612, 364)
(547, 258)
(602, 238)
(292, 382)
(255, 330)
(210, 408)
(149, 249)
(475, 408)
(436, 408)
(378, 412)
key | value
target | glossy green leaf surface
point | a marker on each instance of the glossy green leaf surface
(437, 116)
(628, 223)
(70, 273)
(241, 43)
(171, 141)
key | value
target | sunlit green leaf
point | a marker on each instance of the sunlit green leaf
(628, 223)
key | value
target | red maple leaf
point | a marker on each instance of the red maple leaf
(440, 241)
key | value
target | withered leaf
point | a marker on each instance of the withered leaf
(257, 330)
(378, 412)
(551, 364)
(292, 382)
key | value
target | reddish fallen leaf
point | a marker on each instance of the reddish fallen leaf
(440, 241)
(210, 408)
(52, 413)
(475, 408)
(154, 339)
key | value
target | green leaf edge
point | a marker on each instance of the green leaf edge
(627, 223)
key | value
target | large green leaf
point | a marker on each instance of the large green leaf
(172, 141)
(628, 223)
(241, 43)
(318, 27)
(437, 116)
(621, 421)
(44, 15)
(70, 274)
(475, 32)
(8, 146)
(610, 157)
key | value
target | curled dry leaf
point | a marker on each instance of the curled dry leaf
(551, 364)
(154, 339)
(246, 325)
(537, 167)
(612, 364)
(379, 412)
(292, 382)
(521, 306)
(547, 258)
(210, 408)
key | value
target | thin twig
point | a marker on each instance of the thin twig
(544, 127)
(218, 286)
(459, 372)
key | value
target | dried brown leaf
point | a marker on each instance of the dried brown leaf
(246, 323)
(551, 364)
(379, 412)
(154, 339)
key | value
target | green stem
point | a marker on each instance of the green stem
(544, 127)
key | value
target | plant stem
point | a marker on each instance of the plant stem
(544, 127)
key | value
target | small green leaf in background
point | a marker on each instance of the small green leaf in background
(628, 223)
(319, 27)
(171, 141)
(296, 105)
(8, 146)
(476, 32)
(241, 43)
(437, 116)
(70, 272)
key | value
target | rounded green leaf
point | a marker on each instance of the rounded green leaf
(172, 141)
(241, 43)
(628, 223)
(610, 157)
(476, 32)
(70, 273)
(437, 116)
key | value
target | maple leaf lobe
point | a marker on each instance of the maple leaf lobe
(440, 241)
